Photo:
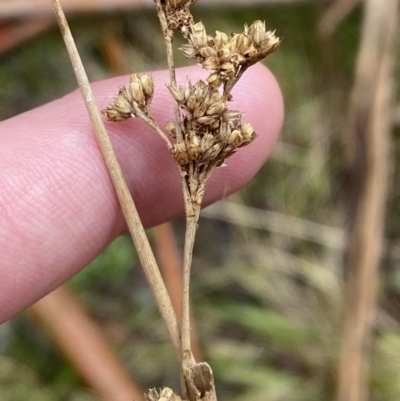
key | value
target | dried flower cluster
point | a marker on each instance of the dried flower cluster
(226, 54)
(137, 96)
(202, 135)
(210, 132)
(165, 394)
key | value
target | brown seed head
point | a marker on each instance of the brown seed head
(171, 128)
(206, 142)
(147, 85)
(256, 32)
(180, 153)
(248, 134)
(199, 36)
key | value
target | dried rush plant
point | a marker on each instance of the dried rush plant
(202, 135)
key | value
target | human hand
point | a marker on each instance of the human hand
(58, 208)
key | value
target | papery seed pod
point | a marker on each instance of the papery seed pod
(122, 105)
(228, 151)
(238, 59)
(189, 50)
(187, 90)
(220, 39)
(216, 108)
(252, 53)
(194, 147)
(114, 115)
(257, 32)
(199, 36)
(200, 110)
(228, 69)
(224, 131)
(207, 52)
(206, 120)
(242, 43)
(125, 93)
(168, 395)
(215, 97)
(192, 103)
(248, 134)
(200, 89)
(136, 91)
(171, 128)
(235, 138)
(210, 63)
(147, 85)
(206, 142)
(223, 54)
(180, 154)
(176, 93)
(212, 153)
(232, 117)
(214, 80)
(269, 44)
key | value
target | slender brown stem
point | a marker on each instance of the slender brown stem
(168, 37)
(192, 217)
(148, 120)
(369, 126)
(128, 207)
(231, 83)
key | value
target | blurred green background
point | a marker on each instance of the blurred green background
(267, 287)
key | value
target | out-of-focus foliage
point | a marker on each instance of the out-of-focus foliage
(268, 303)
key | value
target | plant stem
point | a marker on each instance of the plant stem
(192, 217)
(149, 121)
(168, 37)
(128, 207)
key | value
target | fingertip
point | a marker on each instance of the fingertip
(258, 95)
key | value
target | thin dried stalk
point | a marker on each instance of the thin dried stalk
(128, 207)
(171, 268)
(369, 125)
(207, 132)
(168, 38)
(334, 15)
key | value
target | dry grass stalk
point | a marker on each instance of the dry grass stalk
(369, 125)
(334, 15)
(128, 207)
(168, 258)
(204, 133)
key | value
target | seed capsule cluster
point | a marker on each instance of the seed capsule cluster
(226, 54)
(211, 132)
(205, 131)
(136, 96)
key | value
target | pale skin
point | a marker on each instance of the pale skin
(58, 209)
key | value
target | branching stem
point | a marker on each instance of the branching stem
(149, 120)
(168, 37)
(128, 207)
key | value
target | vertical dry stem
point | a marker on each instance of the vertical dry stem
(128, 207)
(168, 37)
(369, 125)
(192, 217)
